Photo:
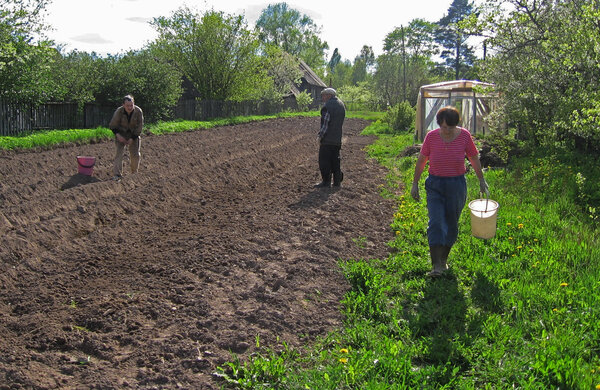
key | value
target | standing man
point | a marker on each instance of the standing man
(126, 124)
(330, 139)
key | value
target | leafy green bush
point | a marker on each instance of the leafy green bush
(304, 99)
(358, 97)
(401, 117)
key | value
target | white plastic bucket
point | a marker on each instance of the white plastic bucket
(483, 218)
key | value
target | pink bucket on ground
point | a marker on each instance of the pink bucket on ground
(85, 165)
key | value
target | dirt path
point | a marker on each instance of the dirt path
(150, 282)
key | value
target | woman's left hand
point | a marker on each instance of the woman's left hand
(414, 192)
(483, 187)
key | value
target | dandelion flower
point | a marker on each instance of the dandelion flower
(597, 387)
(519, 247)
(518, 217)
(564, 284)
(343, 350)
(508, 224)
(555, 310)
(535, 240)
(520, 226)
(510, 238)
(343, 360)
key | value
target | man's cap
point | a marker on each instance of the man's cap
(328, 91)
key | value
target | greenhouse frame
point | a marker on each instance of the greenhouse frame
(474, 100)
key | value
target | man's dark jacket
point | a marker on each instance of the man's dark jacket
(337, 112)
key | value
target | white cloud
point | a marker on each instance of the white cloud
(139, 19)
(100, 24)
(91, 38)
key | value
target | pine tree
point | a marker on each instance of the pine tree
(457, 54)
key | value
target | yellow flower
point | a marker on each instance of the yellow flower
(555, 310)
(535, 240)
(520, 226)
(531, 250)
(397, 232)
(597, 387)
(343, 350)
(519, 247)
(510, 238)
(518, 217)
(343, 360)
(564, 284)
(508, 224)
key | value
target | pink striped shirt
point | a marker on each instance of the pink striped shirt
(447, 159)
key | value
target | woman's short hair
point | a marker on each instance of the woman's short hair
(128, 98)
(448, 114)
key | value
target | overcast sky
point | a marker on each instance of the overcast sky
(116, 26)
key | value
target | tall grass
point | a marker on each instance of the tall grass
(520, 310)
(53, 137)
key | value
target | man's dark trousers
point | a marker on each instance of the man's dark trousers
(329, 163)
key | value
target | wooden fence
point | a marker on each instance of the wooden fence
(200, 110)
(20, 118)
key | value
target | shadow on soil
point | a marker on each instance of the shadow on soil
(77, 180)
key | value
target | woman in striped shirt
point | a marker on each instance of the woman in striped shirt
(445, 148)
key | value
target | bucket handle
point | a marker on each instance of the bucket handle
(86, 166)
(484, 196)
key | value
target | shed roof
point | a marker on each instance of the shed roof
(310, 75)
(442, 89)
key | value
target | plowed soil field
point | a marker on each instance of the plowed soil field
(153, 281)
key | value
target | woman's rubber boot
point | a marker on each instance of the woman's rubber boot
(435, 252)
(444, 257)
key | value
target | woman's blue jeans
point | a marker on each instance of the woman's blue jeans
(446, 198)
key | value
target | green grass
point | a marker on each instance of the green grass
(521, 310)
(54, 137)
